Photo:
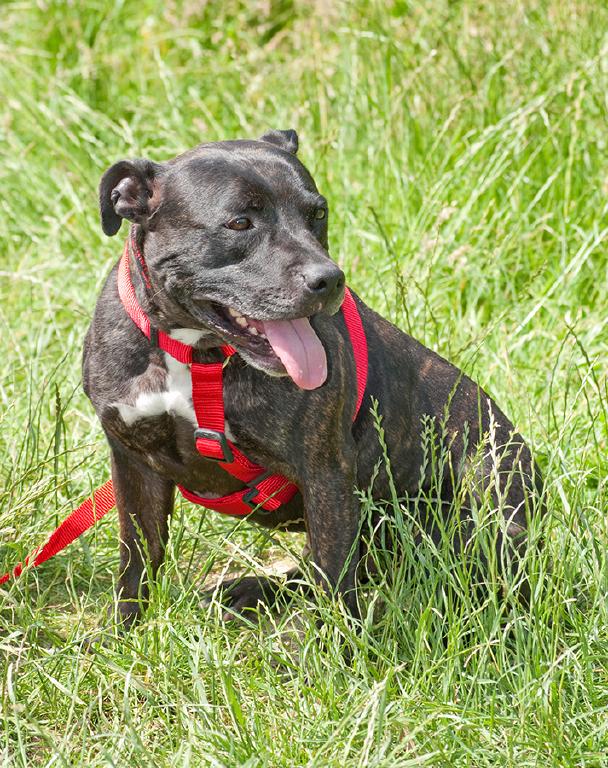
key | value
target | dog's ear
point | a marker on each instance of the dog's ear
(286, 140)
(130, 189)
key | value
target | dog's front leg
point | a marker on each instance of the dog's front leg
(332, 526)
(144, 501)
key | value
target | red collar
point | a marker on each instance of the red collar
(264, 491)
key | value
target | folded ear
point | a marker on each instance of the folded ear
(130, 189)
(286, 140)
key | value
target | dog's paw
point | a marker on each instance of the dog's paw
(242, 597)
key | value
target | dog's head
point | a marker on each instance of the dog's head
(235, 236)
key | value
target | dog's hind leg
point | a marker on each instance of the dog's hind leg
(144, 501)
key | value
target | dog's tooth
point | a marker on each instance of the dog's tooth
(240, 320)
(233, 312)
(253, 330)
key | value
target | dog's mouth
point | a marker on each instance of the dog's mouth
(276, 346)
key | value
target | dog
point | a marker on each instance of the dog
(228, 250)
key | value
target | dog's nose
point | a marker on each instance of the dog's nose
(323, 280)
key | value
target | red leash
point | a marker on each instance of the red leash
(75, 524)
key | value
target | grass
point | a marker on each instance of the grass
(462, 148)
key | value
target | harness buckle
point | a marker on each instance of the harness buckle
(217, 437)
(254, 490)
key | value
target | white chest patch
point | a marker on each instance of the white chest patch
(177, 398)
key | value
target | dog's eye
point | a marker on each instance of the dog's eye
(320, 213)
(240, 223)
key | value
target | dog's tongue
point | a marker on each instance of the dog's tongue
(299, 349)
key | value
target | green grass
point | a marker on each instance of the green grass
(462, 147)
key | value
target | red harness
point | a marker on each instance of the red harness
(263, 491)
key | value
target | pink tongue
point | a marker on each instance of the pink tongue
(299, 349)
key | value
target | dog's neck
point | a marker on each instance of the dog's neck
(161, 312)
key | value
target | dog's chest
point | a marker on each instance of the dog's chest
(154, 395)
(174, 398)
(155, 419)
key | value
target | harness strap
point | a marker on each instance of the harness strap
(266, 494)
(265, 490)
(358, 341)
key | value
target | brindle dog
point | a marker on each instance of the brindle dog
(238, 229)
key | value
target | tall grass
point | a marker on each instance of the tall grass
(462, 147)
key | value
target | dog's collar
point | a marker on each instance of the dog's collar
(263, 491)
